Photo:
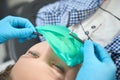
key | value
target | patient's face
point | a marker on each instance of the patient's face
(41, 63)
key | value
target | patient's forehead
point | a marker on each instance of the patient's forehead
(41, 45)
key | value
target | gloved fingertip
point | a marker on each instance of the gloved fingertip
(88, 44)
(89, 53)
(88, 40)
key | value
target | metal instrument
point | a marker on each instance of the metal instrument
(76, 37)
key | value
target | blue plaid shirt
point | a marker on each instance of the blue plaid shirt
(114, 49)
(66, 12)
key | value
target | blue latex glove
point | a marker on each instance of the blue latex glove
(15, 27)
(94, 68)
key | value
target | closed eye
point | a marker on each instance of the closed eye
(59, 68)
(34, 54)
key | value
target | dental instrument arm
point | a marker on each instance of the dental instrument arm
(70, 33)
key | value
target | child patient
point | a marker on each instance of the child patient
(57, 58)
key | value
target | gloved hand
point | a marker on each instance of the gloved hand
(96, 68)
(15, 27)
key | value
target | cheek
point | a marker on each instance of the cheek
(26, 69)
(32, 69)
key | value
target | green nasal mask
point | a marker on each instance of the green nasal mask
(67, 48)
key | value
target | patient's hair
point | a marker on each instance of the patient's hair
(5, 75)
